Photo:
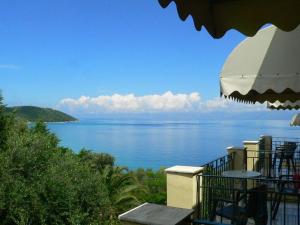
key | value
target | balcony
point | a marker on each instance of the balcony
(258, 183)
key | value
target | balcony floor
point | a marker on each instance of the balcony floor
(291, 216)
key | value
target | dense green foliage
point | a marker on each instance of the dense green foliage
(155, 184)
(43, 183)
(34, 114)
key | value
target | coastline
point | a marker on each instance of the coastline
(55, 122)
(61, 122)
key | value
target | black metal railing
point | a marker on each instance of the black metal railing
(282, 158)
(278, 162)
(216, 168)
(219, 165)
(286, 157)
(249, 201)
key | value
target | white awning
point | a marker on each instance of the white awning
(295, 120)
(283, 106)
(265, 67)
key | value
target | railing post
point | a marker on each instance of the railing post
(182, 186)
(239, 157)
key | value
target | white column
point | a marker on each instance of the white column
(239, 159)
(182, 186)
(252, 149)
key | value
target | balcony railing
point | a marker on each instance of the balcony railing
(219, 165)
(278, 203)
(282, 158)
(215, 167)
(249, 201)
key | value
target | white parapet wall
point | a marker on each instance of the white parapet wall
(182, 186)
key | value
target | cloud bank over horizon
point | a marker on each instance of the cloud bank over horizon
(167, 102)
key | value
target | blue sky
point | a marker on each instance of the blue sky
(58, 49)
(93, 57)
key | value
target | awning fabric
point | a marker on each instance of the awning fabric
(295, 120)
(283, 106)
(265, 67)
(246, 16)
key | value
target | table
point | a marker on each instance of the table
(241, 174)
(248, 201)
(154, 214)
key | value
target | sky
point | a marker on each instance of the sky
(109, 56)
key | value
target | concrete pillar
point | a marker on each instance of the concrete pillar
(266, 154)
(267, 142)
(252, 153)
(182, 186)
(239, 157)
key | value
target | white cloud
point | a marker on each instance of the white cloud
(9, 66)
(222, 104)
(167, 102)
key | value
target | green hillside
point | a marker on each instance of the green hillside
(33, 114)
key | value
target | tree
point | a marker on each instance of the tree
(44, 183)
(122, 187)
(154, 182)
(96, 161)
(4, 121)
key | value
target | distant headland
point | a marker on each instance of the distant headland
(34, 114)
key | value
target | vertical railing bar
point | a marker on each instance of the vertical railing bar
(284, 208)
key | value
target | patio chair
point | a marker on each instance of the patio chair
(256, 207)
(231, 210)
(285, 152)
(287, 186)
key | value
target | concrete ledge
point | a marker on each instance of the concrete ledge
(251, 142)
(184, 169)
(131, 210)
(152, 214)
(266, 136)
(236, 148)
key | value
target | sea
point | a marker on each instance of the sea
(156, 144)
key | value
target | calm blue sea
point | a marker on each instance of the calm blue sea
(152, 144)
